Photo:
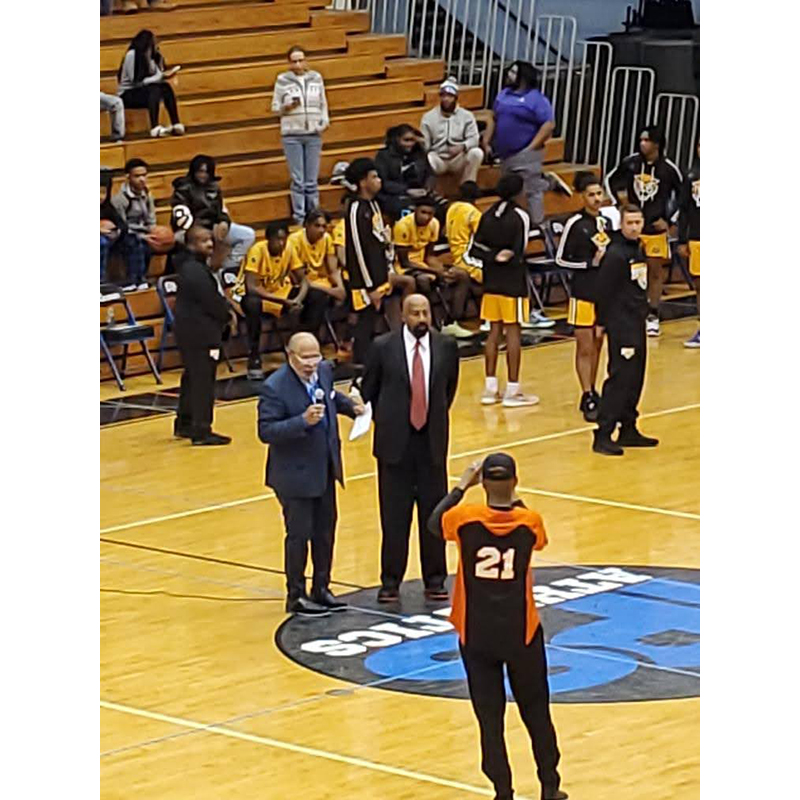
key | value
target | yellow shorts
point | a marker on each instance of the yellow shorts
(510, 310)
(476, 273)
(360, 297)
(276, 309)
(656, 245)
(694, 258)
(580, 313)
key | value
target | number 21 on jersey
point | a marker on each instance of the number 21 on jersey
(487, 565)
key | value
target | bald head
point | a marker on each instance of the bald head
(200, 240)
(417, 314)
(304, 354)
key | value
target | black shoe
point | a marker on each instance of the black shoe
(630, 437)
(211, 439)
(590, 406)
(386, 595)
(604, 445)
(303, 607)
(254, 370)
(181, 433)
(437, 593)
(556, 794)
(327, 600)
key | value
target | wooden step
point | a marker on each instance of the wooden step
(468, 96)
(123, 27)
(183, 4)
(231, 78)
(250, 107)
(430, 71)
(390, 45)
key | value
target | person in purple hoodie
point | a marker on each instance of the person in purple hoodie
(523, 122)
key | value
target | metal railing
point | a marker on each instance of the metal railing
(592, 102)
(680, 130)
(630, 110)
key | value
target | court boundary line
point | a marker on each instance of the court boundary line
(352, 761)
(362, 476)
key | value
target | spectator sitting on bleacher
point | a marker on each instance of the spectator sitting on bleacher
(404, 171)
(312, 252)
(143, 82)
(451, 136)
(112, 226)
(268, 284)
(197, 200)
(414, 236)
(116, 113)
(132, 6)
(136, 206)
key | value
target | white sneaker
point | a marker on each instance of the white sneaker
(653, 326)
(131, 287)
(538, 320)
(694, 342)
(455, 330)
(178, 129)
(489, 398)
(143, 287)
(160, 131)
(519, 399)
(486, 326)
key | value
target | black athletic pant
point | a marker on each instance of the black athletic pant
(309, 519)
(414, 480)
(150, 97)
(363, 333)
(527, 674)
(251, 305)
(313, 313)
(196, 402)
(627, 356)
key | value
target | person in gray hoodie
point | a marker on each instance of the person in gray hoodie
(451, 136)
(135, 205)
(299, 98)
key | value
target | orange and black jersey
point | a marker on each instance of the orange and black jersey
(653, 187)
(584, 234)
(689, 205)
(493, 604)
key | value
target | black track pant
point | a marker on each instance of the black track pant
(150, 97)
(196, 402)
(313, 313)
(627, 357)
(414, 480)
(364, 332)
(527, 675)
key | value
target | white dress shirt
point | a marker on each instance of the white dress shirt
(410, 342)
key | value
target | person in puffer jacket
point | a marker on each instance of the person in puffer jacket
(299, 98)
(197, 200)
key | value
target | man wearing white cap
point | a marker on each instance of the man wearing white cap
(451, 136)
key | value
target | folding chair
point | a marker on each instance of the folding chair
(125, 334)
(544, 267)
(166, 289)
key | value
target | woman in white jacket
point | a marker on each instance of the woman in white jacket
(299, 98)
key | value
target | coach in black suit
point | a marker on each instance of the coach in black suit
(297, 419)
(201, 315)
(411, 378)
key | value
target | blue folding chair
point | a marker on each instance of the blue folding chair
(113, 334)
(166, 289)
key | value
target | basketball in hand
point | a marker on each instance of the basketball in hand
(161, 239)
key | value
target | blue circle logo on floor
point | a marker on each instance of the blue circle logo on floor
(613, 634)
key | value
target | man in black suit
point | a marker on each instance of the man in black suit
(297, 419)
(411, 378)
(201, 315)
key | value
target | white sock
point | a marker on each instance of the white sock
(512, 389)
(491, 385)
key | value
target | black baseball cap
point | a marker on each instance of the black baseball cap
(498, 467)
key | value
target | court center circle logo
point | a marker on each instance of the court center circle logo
(613, 634)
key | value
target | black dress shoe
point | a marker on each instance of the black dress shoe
(326, 599)
(604, 445)
(437, 593)
(630, 437)
(303, 607)
(557, 794)
(386, 595)
(211, 439)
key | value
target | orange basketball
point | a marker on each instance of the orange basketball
(161, 239)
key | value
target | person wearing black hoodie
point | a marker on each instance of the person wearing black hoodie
(404, 171)
(197, 200)
(621, 305)
(201, 315)
(112, 226)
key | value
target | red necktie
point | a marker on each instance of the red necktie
(419, 405)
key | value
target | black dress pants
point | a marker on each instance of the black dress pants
(627, 357)
(414, 480)
(196, 402)
(309, 519)
(527, 675)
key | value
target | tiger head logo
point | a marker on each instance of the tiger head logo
(645, 187)
(601, 238)
(696, 192)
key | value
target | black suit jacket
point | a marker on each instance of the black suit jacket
(201, 312)
(387, 385)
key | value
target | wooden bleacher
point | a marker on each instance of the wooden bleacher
(231, 52)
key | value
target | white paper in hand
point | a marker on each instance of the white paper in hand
(361, 423)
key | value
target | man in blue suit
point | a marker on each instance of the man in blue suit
(297, 419)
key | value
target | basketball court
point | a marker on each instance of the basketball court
(208, 692)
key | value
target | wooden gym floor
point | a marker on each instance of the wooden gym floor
(198, 702)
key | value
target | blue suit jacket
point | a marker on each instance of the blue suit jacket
(300, 455)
